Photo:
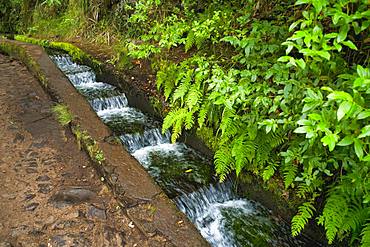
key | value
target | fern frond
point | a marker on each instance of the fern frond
(289, 173)
(180, 92)
(305, 212)
(202, 115)
(333, 215)
(223, 162)
(365, 236)
(194, 97)
(228, 125)
(189, 41)
(268, 172)
(169, 86)
(189, 120)
(239, 153)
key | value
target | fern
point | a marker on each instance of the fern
(180, 92)
(239, 153)
(202, 115)
(334, 214)
(365, 236)
(305, 212)
(268, 172)
(189, 40)
(194, 97)
(289, 173)
(223, 162)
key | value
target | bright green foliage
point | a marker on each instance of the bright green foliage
(292, 101)
(63, 114)
(279, 89)
(305, 212)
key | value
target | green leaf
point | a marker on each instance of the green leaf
(343, 109)
(343, 33)
(302, 130)
(350, 44)
(299, 2)
(301, 63)
(284, 59)
(348, 140)
(340, 95)
(361, 71)
(358, 148)
(330, 141)
(363, 114)
(365, 131)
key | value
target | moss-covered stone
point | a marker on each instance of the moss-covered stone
(76, 53)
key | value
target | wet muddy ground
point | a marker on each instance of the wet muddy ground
(49, 193)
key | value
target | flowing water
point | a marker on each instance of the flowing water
(223, 218)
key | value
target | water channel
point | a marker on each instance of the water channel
(223, 218)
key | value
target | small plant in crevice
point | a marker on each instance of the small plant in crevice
(64, 116)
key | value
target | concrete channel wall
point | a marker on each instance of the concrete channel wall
(140, 197)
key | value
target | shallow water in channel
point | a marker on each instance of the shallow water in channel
(223, 218)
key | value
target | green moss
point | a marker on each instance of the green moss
(76, 53)
(89, 144)
(63, 114)
(20, 53)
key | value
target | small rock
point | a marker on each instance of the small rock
(43, 178)
(29, 197)
(95, 212)
(59, 225)
(32, 206)
(19, 231)
(70, 196)
(44, 188)
(31, 170)
(69, 240)
(113, 238)
(36, 232)
(18, 138)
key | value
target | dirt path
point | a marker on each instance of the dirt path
(49, 193)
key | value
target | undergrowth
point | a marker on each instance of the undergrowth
(279, 89)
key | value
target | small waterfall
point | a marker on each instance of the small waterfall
(115, 102)
(150, 137)
(226, 220)
(223, 218)
(82, 77)
(66, 64)
(163, 149)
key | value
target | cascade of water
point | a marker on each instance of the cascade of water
(114, 102)
(150, 137)
(222, 218)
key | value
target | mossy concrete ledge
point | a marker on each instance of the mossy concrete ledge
(141, 198)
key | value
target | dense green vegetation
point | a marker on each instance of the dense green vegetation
(280, 89)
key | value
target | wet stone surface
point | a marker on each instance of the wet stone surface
(49, 193)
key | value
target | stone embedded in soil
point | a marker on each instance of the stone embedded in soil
(59, 225)
(70, 196)
(29, 197)
(69, 240)
(95, 212)
(31, 170)
(18, 138)
(44, 188)
(43, 178)
(113, 238)
(31, 207)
